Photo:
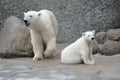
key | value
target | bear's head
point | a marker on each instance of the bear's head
(89, 35)
(31, 17)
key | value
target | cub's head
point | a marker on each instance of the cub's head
(31, 17)
(89, 35)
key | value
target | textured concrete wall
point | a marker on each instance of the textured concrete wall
(74, 16)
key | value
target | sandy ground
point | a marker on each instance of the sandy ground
(106, 68)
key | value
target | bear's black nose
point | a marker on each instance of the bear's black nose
(25, 21)
(92, 38)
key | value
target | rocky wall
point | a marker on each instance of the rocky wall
(74, 16)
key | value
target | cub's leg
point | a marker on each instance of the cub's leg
(85, 58)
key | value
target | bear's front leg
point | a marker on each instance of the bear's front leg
(50, 49)
(85, 58)
(91, 55)
(37, 45)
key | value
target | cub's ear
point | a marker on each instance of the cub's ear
(83, 34)
(39, 14)
(24, 13)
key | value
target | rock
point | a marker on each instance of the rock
(95, 48)
(101, 37)
(15, 39)
(110, 48)
(74, 16)
(114, 34)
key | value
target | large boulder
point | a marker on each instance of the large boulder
(114, 34)
(15, 39)
(101, 37)
(110, 48)
(109, 42)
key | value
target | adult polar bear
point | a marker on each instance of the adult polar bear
(43, 28)
(79, 51)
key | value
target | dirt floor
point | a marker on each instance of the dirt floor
(106, 68)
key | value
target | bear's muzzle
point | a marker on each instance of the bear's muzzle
(26, 23)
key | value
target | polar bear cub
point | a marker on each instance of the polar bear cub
(43, 28)
(80, 50)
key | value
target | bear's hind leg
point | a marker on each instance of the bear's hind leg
(37, 45)
(50, 49)
(71, 60)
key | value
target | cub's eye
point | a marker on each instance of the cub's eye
(30, 15)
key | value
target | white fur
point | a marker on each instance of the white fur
(43, 29)
(80, 50)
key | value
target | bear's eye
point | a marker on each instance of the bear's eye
(88, 35)
(30, 15)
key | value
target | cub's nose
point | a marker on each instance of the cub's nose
(92, 38)
(25, 21)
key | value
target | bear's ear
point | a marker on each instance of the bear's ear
(83, 34)
(93, 31)
(39, 14)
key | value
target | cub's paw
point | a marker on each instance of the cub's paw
(90, 62)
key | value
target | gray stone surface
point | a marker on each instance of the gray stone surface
(114, 34)
(110, 48)
(95, 47)
(101, 37)
(106, 68)
(74, 16)
(109, 42)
